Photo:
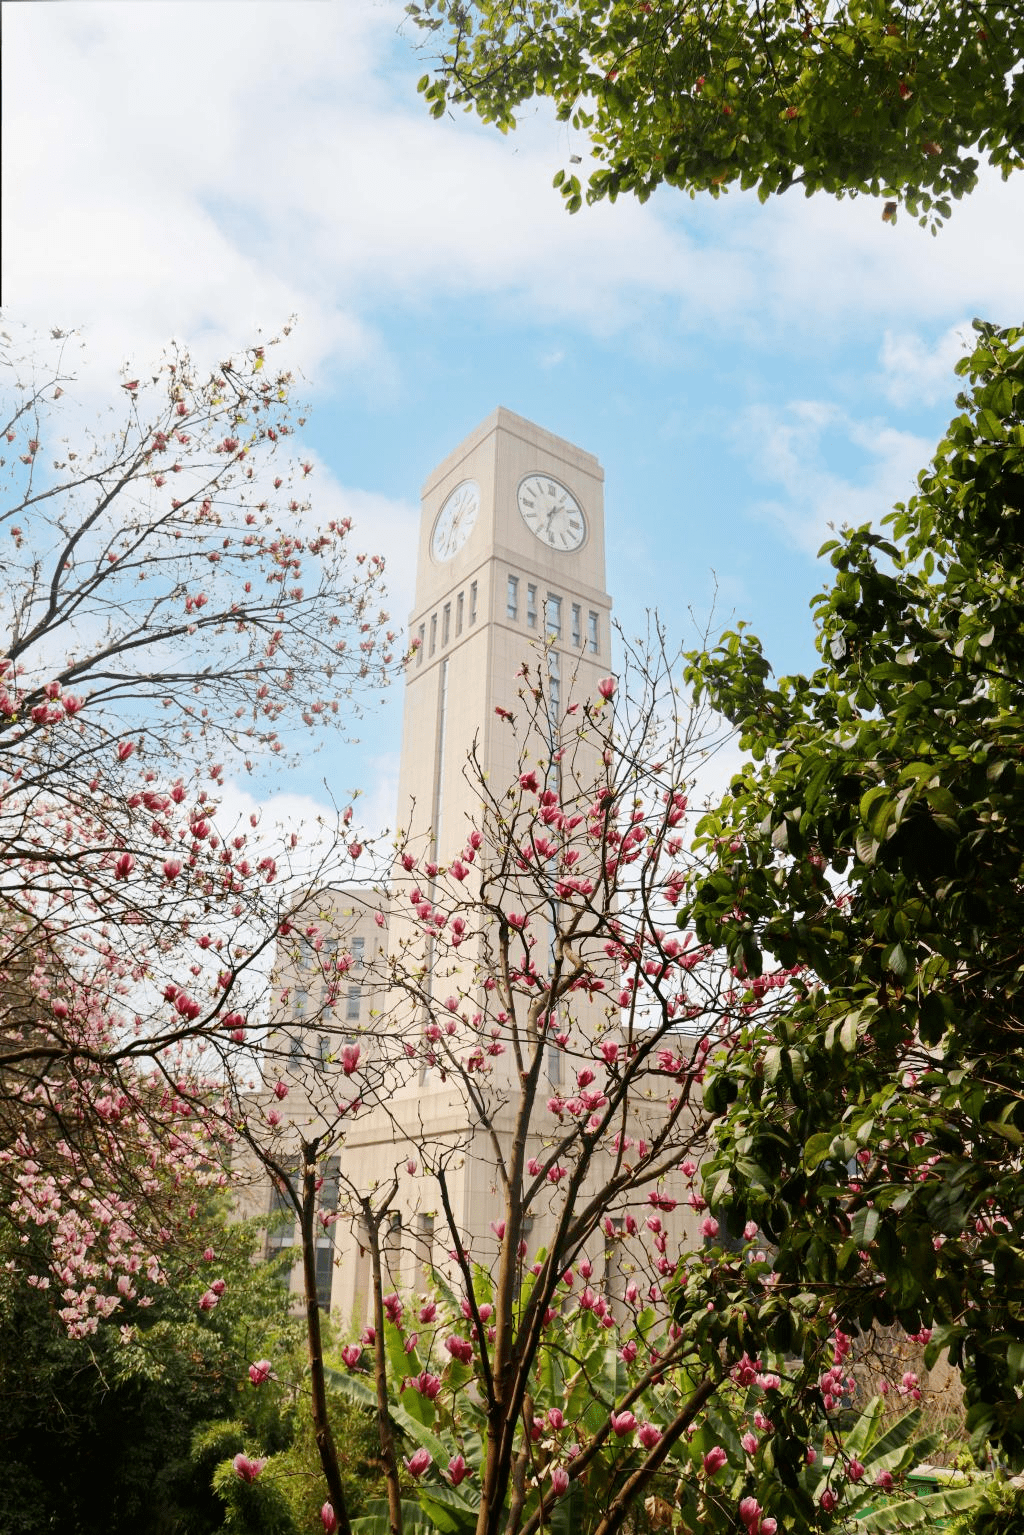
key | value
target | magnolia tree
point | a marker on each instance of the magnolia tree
(557, 1329)
(169, 606)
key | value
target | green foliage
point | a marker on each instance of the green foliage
(999, 1511)
(874, 848)
(859, 96)
(97, 1433)
(253, 1508)
(585, 1370)
(298, 1471)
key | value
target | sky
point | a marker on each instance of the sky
(748, 375)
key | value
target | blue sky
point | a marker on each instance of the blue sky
(746, 374)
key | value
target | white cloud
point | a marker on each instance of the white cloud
(919, 373)
(192, 170)
(786, 444)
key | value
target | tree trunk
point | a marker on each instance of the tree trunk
(384, 1429)
(321, 1423)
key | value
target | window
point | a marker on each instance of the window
(329, 1189)
(472, 602)
(554, 687)
(421, 635)
(324, 1048)
(512, 600)
(592, 644)
(325, 1237)
(392, 1249)
(433, 633)
(531, 606)
(281, 1226)
(324, 1274)
(295, 1047)
(553, 616)
(446, 623)
(300, 1001)
(358, 953)
(459, 603)
(577, 626)
(352, 1004)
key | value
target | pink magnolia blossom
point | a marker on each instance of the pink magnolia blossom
(426, 1384)
(457, 1470)
(648, 1434)
(259, 1372)
(622, 1423)
(714, 1460)
(328, 1518)
(828, 1500)
(248, 1470)
(280, 1090)
(349, 1059)
(556, 1418)
(418, 1463)
(351, 1355)
(750, 1512)
(768, 1526)
(749, 1442)
(559, 1480)
(606, 687)
(459, 1348)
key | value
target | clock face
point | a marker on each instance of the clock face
(455, 520)
(552, 513)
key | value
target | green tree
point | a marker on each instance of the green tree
(860, 96)
(873, 848)
(96, 1432)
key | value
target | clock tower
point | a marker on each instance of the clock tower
(511, 562)
(510, 570)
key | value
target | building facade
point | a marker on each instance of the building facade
(510, 574)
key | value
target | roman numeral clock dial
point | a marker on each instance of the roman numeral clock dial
(455, 521)
(552, 513)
